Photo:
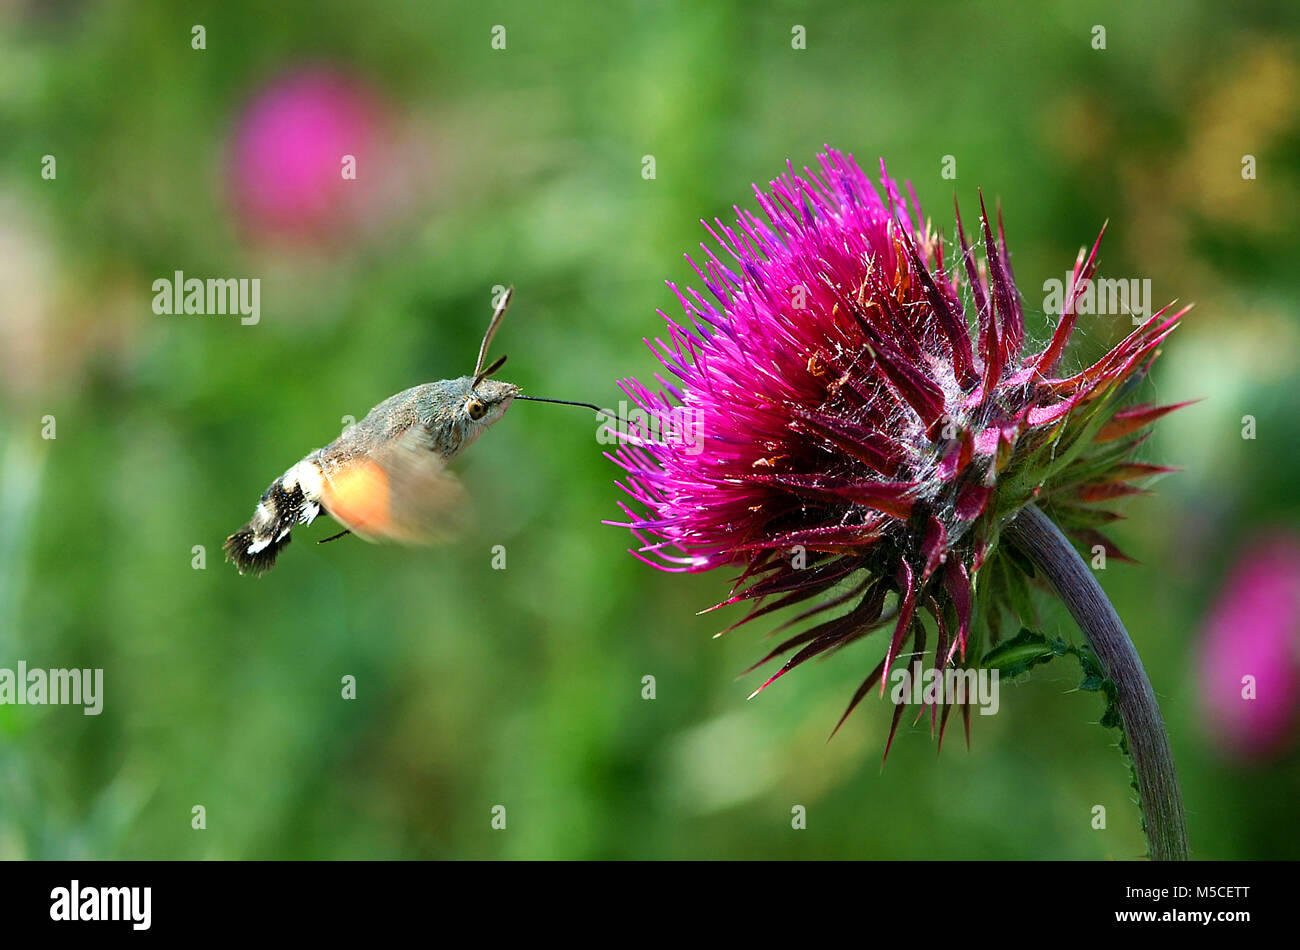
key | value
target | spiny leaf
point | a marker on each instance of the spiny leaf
(1020, 654)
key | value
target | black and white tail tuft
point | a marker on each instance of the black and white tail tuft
(291, 500)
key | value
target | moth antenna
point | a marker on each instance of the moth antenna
(496, 365)
(497, 316)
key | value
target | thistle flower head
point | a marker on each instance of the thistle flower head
(865, 416)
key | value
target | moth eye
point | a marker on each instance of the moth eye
(476, 408)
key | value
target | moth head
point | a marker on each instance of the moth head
(486, 400)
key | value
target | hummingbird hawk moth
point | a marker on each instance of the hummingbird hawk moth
(385, 478)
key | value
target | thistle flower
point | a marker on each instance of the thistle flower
(869, 418)
(284, 168)
(1250, 653)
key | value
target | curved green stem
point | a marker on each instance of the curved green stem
(1034, 534)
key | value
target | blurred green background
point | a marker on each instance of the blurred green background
(479, 167)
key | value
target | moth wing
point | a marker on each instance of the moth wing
(403, 494)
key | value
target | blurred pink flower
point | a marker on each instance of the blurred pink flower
(287, 155)
(1253, 630)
